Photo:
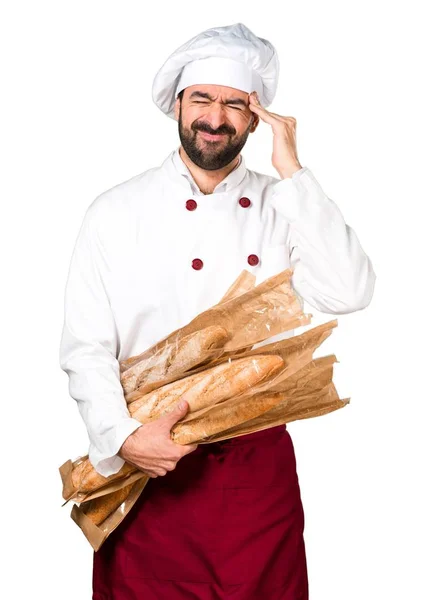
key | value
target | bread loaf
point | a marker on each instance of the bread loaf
(86, 479)
(100, 508)
(223, 416)
(212, 386)
(315, 403)
(174, 358)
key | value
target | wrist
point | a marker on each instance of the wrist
(125, 451)
(289, 171)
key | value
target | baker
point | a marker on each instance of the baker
(220, 520)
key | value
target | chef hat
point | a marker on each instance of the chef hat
(231, 56)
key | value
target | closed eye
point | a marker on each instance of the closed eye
(206, 103)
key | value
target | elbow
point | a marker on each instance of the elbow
(354, 296)
(364, 300)
(345, 291)
(362, 290)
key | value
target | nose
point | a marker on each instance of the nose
(215, 117)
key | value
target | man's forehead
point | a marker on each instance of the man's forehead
(215, 92)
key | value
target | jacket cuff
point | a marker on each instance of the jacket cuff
(109, 462)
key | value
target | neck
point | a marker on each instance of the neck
(207, 180)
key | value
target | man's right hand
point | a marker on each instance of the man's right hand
(150, 447)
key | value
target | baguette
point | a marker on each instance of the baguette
(212, 386)
(173, 359)
(291, 408)
(100, 508)
(86, 479)
(223, 416)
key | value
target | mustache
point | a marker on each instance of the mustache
(207, 129)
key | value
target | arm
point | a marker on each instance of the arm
(331, 270)
(88, 351)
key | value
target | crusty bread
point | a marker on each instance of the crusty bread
(314, 404)
(201, 390)
(147, 404)
(223, 416)
(100, 508)
(174, 358)
(86, 479)
(208, 387)
(79, 472)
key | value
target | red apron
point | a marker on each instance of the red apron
(226, 524)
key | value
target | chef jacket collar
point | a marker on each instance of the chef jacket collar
(234, 178)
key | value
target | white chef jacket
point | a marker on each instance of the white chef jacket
(132, 277)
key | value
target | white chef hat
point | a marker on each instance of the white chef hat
(231, 56)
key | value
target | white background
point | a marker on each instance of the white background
(78, 118)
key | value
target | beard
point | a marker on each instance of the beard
(211, 155)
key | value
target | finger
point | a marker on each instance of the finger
(186, 448)
(255, 103)
(290, 120)
(177, 413)
(148, 472)
(161, 472)
(169, 465)
(275, 116)
(264, 114)
(182, 451)
(191, 447)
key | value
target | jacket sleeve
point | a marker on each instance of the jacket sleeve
(331, 270)
(88, 350)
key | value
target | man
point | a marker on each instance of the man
(220, 520)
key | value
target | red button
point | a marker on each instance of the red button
(191, 205)
(253, 260)
(245, 202)
(197, 264)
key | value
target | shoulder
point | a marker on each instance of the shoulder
(117, 205)
(117, 197)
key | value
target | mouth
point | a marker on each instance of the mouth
(211, 137)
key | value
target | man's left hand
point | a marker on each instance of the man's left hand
(284, 156)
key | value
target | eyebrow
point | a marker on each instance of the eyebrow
(197, 94)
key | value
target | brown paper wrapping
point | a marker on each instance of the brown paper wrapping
(96, 534)
(262, 311)
(296, 351)
(254, 316)
(302, 388)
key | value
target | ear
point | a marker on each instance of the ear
(256, 121)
